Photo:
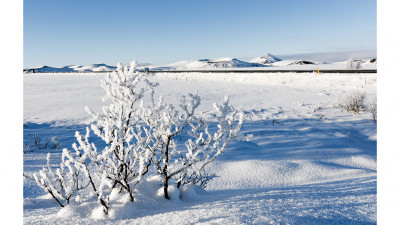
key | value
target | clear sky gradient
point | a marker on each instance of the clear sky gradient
(76, 32)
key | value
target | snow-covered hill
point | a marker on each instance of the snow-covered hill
(214, 63)
(96, 67)
(266, 59)
(71, 68)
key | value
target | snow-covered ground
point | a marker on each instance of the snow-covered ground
(305, 160)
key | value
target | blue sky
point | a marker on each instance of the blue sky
(69, 32)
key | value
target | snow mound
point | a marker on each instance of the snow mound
(67, 211)
(191, 192)
(266, 59)
(173, 193)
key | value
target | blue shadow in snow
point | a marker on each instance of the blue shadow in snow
(301, 139)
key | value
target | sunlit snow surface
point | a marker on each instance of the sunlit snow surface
(317, 166)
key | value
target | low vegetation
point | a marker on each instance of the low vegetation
(38, 143)
(357, 103)
(353, 103)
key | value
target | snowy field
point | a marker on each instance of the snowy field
(305, 160)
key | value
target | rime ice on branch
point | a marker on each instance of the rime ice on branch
(167, 125)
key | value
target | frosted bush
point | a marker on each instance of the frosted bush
(373, 109)
(53, 142)
(185, 161)
(141, 138)
(353, 103)
(61, 183)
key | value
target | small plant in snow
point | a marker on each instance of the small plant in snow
(46, 143)
(55, 142)
(26, 147)
(37, 140)
(177, 142)
(353, 103)
(373, 109)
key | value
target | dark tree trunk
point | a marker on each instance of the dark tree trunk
(165, 170)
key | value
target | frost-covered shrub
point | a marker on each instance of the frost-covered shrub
(53, 142)
(353, 103)
(124, 160)
(26, 147)
(56, 142)
(373, 109)
(141, 138)
(184, 161)
(37, 140)
(61, 183)
(126, 157)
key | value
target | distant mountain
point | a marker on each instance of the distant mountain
(226, 63)
(96, 68)
(266, 59)
(71, 68)
(49, 69)
(208, 64)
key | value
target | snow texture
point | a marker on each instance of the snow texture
(301, 159)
